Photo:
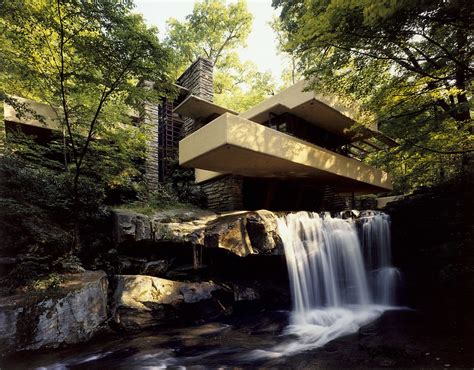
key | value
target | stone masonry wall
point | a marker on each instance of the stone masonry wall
(198, 78)
(150, 119)
(224, 193)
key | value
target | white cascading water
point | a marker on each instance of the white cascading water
(338, 282)
(375, 238)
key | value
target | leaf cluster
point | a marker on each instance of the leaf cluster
(408, 63)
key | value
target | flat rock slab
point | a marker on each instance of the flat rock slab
(71, 314)
(241, 233)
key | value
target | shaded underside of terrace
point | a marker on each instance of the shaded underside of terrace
(234, 145)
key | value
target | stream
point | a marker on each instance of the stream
(344, 314)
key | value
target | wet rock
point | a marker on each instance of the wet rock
(229, 232)
(353, 213)
(241, 233)
(179, 215)
(131, 226)
(263, 234)
(130, 265)
(141, 301)
(245, 293)
(72, 314)
(245, 233)
(156, 268)
(181, 225)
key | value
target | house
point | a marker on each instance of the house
(296, 150)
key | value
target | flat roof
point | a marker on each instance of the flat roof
(323, 110)
(31, 115)
(195, 107)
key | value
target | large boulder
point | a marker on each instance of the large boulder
(241, 233)
(71, 314)
(130, 226)
(244, 233)
(181, 226)
(142, 301)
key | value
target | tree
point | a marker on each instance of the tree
(214, 31)
(243, 86)
(290, 74)
(87, 60)
(410, 62)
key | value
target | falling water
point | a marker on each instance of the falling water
(375, 239)
(339, 281)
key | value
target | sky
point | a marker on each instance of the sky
(261, 43)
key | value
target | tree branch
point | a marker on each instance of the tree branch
(63, 88)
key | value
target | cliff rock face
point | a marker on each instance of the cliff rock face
(70, 315)
(241, 233)
(432, 243)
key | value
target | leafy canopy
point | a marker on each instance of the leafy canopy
(410, 62)
(86, 59)
(215, 30)
(90, 61)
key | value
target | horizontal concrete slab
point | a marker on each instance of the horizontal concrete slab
(195, 107)
(234, 145)
(204, 175)
(33, 114)
(324, 110)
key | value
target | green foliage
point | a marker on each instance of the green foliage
(178, 191)
(94, 63)
(35, 207)
(68, 264)
(182, 183)
(215, 31)
(150, 200)
(409, 62)
(243, 86)
(290, 74)
(35, 196)
(50, 282)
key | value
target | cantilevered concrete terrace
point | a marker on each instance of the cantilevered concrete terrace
(35, 114)
(250, 145)
(38, 117)
(232, 144)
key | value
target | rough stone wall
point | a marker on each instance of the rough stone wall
(224, 194)
(149, 118)
(198, 78)
(73, 314)
(333, 202)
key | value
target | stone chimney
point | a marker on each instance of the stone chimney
(198, 79)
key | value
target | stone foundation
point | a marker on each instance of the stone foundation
(224, 194)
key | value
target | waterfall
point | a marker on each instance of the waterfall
(340, 275)
(375, 239)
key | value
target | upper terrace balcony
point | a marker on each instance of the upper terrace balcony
(294, 134)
